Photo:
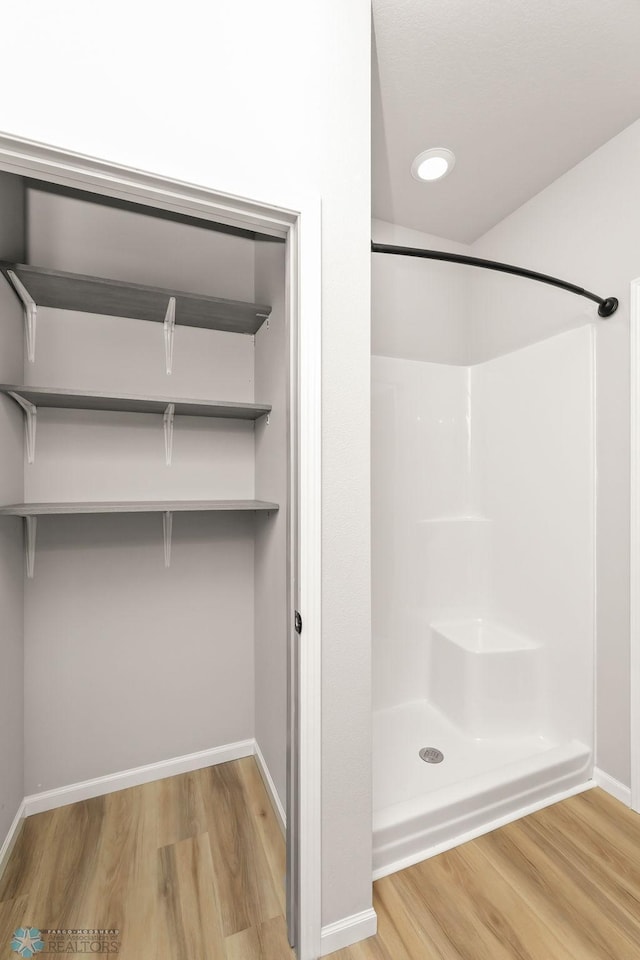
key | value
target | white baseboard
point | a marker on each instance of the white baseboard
(342, 933)
(612, 786)
(270, 788)
(11, 837)
(61, 796)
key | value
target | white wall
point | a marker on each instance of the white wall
(166, 653)
(12, 701)
(288, 83)
(272, 483)
(419, 308)
(583, 228)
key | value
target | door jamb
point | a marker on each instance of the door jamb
(634, 618)
(297, 219)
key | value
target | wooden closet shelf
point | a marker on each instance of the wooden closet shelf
(89, 400)
(119, 298)
(133, 506)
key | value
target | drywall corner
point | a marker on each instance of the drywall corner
(11, 490)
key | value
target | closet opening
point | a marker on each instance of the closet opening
(158, 520)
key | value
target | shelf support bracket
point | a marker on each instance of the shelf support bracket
(169, 329)
(30, 312)
(30, 421)
(167, 525)
(30, 525)
(169, 415)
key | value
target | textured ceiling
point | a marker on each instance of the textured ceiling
(520, 90)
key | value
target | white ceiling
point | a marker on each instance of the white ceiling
(520, 90)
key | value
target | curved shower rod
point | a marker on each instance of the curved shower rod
(606, 306)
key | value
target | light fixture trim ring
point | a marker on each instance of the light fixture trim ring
(433, 153)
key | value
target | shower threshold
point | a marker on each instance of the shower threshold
(422, 809)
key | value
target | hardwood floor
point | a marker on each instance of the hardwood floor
(561, 884)
(188, 868)
(192, 868)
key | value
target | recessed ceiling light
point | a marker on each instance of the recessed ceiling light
(433, 164)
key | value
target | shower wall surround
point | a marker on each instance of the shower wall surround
(420, 482)
(483, 506)
(534, 459)
(483, 590)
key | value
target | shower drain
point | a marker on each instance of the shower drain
(431, 755)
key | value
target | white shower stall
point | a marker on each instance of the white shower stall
(483, 477)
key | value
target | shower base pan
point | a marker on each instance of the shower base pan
(422, 809)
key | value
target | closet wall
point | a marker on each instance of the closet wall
(129, 662)
(11, 481)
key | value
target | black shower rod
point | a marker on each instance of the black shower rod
(606, 306)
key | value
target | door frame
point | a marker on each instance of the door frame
(297, 219)
(634, 611)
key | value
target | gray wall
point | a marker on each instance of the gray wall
(129, 662)
(68, 233)
(12, 699)
(272, 379)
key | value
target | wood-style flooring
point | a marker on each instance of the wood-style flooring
(192, 868)
(561, 884)
(187, 868)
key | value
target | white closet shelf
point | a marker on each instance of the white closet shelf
(119, 298)
(132, 506)
(128, 403)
